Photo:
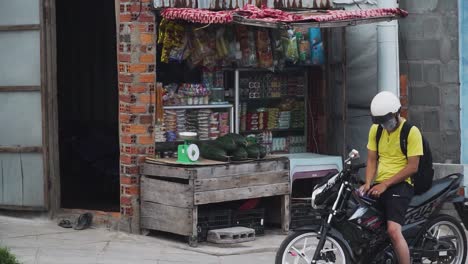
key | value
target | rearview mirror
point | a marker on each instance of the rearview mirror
(354, 154)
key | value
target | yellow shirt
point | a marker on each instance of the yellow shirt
(391, 158)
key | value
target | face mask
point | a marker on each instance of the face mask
(390, 125)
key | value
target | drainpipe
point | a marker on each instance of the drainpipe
(388, 71)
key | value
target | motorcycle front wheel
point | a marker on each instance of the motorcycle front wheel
(299, 248)
(445, 235)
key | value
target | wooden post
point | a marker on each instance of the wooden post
(193, 239)
(285, 217)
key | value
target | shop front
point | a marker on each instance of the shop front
(262, 94)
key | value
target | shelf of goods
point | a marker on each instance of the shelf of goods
(272, 107)
(209, 124)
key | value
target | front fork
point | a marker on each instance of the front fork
(326, 227)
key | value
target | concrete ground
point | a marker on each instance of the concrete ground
(41, 241)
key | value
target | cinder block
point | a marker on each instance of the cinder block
(431, 72)
(231, 235)
(425, 96)
(431, 121)
(450, 72)
(420, 6)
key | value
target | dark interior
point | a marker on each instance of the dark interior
(88, 105)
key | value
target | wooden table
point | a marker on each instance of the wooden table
(171, 194)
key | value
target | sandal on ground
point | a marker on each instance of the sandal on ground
(84, 221)
(65, 223)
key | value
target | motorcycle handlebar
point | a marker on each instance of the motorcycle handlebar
(358, 166)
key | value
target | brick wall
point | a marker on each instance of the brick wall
(136, 59)
(429, 58)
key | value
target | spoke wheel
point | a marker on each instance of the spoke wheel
(445, 234)
(299, 248)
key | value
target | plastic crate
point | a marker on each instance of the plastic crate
(253, 218)
(212, 219)
(303, 214)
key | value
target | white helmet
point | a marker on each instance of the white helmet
(383, 106)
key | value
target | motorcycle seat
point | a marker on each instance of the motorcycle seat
(438, 186)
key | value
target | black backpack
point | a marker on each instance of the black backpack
(422, 179)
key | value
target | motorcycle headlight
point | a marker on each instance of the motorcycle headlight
(322, 191)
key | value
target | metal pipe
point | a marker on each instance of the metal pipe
(236, 100)
(388, 70)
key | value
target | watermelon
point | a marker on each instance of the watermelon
(253, 151)
(213, 152)
(227, 143)
(239, 154)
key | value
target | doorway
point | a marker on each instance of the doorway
(87, 90)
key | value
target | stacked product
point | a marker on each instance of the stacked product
(273, 118)
(223, 123)
(170, 120)
(203, 123)
(252, 121)
(191, 123)
(214, 126)
(181, 120)
(265, 139)
(284, 120)
(159, 133)
(297, 144)
(280, 144)
(297, 116)
(274, 88)
(262, 118)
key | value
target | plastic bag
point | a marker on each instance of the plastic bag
(290, 46)
(246, 39)
(264, 52)
(277, 45)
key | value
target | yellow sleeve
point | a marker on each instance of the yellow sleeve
(415, 145)
(371, 143)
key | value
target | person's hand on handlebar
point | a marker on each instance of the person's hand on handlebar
(364, 189)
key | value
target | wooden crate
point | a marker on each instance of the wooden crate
(170, 194)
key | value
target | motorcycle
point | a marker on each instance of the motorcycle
(352, 229)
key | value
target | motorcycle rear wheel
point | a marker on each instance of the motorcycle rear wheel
(448, 229)
(299, 248)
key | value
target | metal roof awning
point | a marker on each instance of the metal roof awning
(326, 24)
(317, 18)
(275, 18)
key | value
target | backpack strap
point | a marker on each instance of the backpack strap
(378, 136)
(404, 138)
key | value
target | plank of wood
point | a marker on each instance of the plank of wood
(242, 168)
(193, 238)
(285, 212)
(20, 149)
(166, 171)
(20, 27)
(167, 193)
(166, 218)
(241, 193)
(20, 88)
(238, 181)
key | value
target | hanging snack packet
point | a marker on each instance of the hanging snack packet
(179, 42)
(278, 55)
(303, 48)
(290, 46)
(264, 52)
(246, 39)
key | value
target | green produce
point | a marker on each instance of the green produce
(239, 154)
(213, 152)
(227, 143)
(253, 151)
(240, 140)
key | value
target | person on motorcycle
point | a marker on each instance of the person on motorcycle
(389, 171)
